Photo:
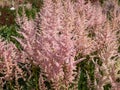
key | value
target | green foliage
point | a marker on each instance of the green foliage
(86, 68)
(31, 13)
(37, 4)
(6, 32)
(107, 87)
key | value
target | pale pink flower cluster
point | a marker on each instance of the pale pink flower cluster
(57, 45)
(60, 32)
(107, 46)
(52, 48)
(9, 68)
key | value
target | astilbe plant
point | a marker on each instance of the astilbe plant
(52, 48)
(106, 44)
(60, 32)
(58, 45)
(82, 42)
(9, 68)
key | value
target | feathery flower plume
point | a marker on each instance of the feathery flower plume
(60, 31)
(8, 62)
(51, 47)
(56, 43)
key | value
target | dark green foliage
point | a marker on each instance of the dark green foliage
(9, 85)
(86, 68)
(82, 84)
(107, 87)
(7, 31)
(32, 82)
(37, 4)
(31, 13)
